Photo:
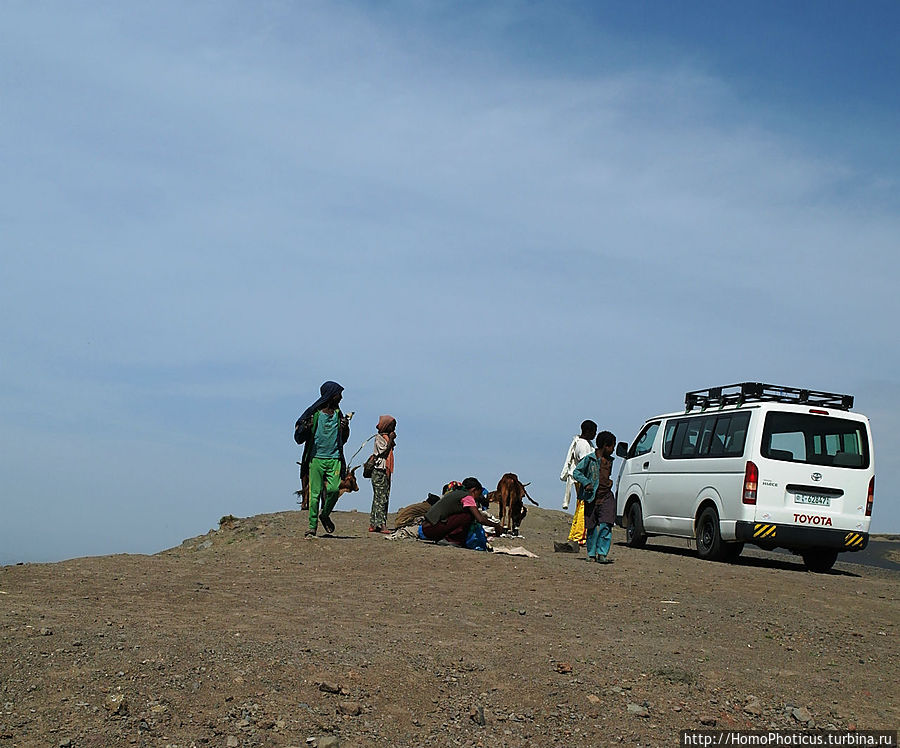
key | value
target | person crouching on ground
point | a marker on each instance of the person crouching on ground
(450, 517)
(594, 477)
(382, 472)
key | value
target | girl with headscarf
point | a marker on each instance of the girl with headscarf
(382, 471)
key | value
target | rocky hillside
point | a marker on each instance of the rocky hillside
(253, 636)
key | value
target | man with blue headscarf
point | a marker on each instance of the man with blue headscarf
(324, 430)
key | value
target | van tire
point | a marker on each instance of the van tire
(635, 537)
(710, 545)
(819, 560)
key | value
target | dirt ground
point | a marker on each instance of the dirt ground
(253, 636)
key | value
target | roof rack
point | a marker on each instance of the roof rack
(747, 392)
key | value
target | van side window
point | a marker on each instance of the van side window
(712, 435)
(644, 442)
(667, 441)
(736, 436)
(720, 436)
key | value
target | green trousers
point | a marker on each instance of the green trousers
(323, 472)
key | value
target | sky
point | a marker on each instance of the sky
(491, 220)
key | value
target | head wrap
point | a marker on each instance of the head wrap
(327, 391)
(385, 424)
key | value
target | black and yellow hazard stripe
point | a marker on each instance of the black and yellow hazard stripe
(763, 531)
(853, 539)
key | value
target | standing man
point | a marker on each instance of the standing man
(580, 447)
(324, 430)
(594, 477)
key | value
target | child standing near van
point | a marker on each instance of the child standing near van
(580, 447)
(594, 477)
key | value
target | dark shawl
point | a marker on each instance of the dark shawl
(302, 428)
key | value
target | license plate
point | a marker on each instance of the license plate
(810, 498)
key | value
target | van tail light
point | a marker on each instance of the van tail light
(751, 481)
(871, 497)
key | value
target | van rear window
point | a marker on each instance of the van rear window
(713, 435)
(815, 440)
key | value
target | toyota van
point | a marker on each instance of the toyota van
(773, 466)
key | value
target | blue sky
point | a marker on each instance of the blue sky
(491, 220)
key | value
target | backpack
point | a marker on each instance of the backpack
(476, 540)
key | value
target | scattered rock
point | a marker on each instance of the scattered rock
(638, 710)
(476, 714)
(232, 742)
(593, 698)
(708, 720)
(202, 547)
(329, 687)
(350, 708)
(753, 707)
(328, 741)
(45, 632)
(116, 703)
(563, 667)
(801, 714)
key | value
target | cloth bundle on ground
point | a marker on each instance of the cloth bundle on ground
(412, 514)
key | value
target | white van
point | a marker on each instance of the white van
(756, 463)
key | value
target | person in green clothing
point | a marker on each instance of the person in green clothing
(324, 430)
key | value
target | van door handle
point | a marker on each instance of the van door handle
(646, 465)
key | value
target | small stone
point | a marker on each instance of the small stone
(45, 632)
(328, 741)
(593, 698)
(753, 707)
(202, 547)
(522, 612)
(329, 687)
(116, 703)
(476, 714)
(350, 708)
(708, 720)
(801, 714)
(563, 667)
(65, 743)
(159, 708)
(232, 742)
(638, 710)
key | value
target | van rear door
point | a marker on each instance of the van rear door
(815, 470)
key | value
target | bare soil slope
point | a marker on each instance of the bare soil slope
(253, 636)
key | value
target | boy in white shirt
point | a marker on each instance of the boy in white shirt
(581, 446)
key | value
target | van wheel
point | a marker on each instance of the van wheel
(709, 542)
(732, 552)
(635, 537)
(819, 559)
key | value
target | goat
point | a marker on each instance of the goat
(348, 485)
(510, 492)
